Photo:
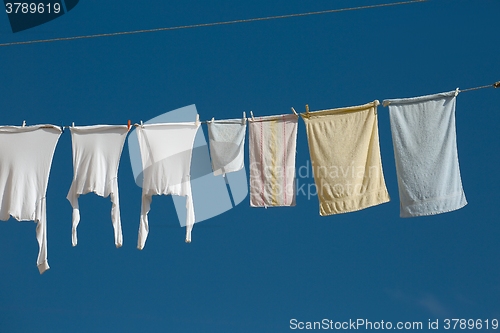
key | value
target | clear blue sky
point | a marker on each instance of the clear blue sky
(253, 269)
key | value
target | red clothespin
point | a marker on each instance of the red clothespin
(128, 125)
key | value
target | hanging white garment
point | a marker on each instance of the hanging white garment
(166, 151)
(227, 143)
(425, 149)
(96, 156)
(25, 160)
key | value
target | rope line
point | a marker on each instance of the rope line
(494, 85)
(200, 25)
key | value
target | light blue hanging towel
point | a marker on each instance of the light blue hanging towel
(425, 149)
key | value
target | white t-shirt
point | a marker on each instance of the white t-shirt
(96, 156)
(166, 151)
(25, 160)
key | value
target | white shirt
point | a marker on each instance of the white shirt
(25, 160)
(96, 156)
(166, 151)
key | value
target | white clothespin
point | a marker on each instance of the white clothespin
(294, 112)
(73, 124)
(375, 104)
(244, 117)
(251, 115)
(142, 125)
(24, 123)
(456, 92)
(197, 119)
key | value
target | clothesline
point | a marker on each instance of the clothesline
(494, 85)
(129, 124)
(191, 26)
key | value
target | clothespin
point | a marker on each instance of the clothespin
(24, 123)
(197, 119)
(73, 124)
(307, 111)
(496, 84)
(251, 115)
(244, 117)
(375, 104)
(129, 123)
(62, 127)
(294, 112)
(456, 92)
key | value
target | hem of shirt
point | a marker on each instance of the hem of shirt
(43, 266)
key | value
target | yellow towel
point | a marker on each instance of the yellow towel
(345, 157)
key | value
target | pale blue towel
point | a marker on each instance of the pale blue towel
(425, 149)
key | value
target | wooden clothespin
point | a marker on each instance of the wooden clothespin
(307, 111)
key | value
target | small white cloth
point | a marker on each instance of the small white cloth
(25, 161)
(425, 149)
(227, 143)
(272, 160)
(166, 151)
(96, 156)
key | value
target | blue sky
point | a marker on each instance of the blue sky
(252, 269)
